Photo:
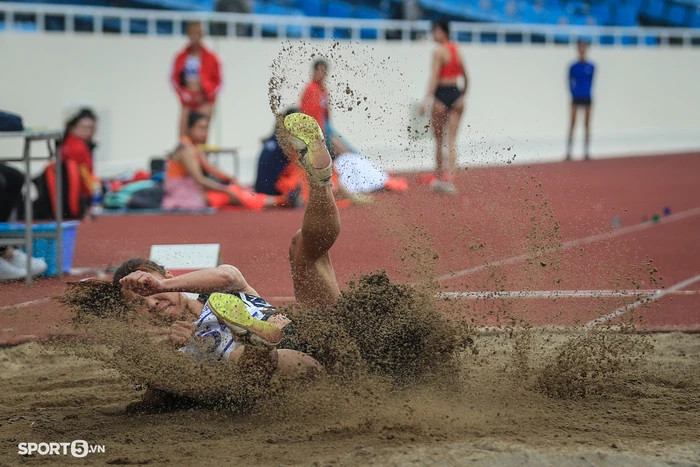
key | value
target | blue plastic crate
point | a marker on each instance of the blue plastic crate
(46, 247)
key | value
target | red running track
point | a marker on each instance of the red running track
(518, 213)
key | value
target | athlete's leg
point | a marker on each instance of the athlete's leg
(439, 118)
(455, 116)
(586, 121)
(312, 271)
(572, 123)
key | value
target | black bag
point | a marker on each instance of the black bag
(10, 122)
(148, 198)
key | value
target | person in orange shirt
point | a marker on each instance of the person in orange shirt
(191, 182)
(448, 104)
(196, 76)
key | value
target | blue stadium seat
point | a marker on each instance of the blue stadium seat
(337, 9)
(655, 9)
(626, 16)
(695, 21)
(310, 7)
(677, 15)
(368, 13)
(601, 13)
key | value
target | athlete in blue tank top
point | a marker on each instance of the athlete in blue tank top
(580, 84)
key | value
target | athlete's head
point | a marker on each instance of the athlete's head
(441, 31)
(195, 32)
(320, 70)
(197, 127)
(582, 48)
(168, 306)
(102, 298)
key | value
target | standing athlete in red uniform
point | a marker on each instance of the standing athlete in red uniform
(448, 104)
(196, 76)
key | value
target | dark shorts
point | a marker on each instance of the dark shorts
(448, 95)
(582, 101)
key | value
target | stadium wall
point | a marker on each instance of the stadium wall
(646, 99)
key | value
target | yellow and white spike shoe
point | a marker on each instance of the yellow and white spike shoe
(306, 137)
(231, 311)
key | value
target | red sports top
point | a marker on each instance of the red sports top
(314, 102)
(209, 75)
(453, 68)
(76, 150)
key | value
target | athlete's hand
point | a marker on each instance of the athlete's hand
(181, 332)
(143, 283)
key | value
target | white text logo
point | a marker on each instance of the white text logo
(77, 448)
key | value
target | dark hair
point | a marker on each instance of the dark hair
(442, 24)
(85, 112)
(320, 62)
(102, 298)
(193, 117)
(136, 264)
(583, 42)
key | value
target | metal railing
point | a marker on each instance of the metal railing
(40, 18)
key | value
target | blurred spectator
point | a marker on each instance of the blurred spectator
(315, 101)
(196, 76)
(79, 181)
(13, 262)
(191, 182)
(580, 84)
(277, 175)
(78, 146)
(447, 70)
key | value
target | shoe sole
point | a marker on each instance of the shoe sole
(301, 123)
(233, 313)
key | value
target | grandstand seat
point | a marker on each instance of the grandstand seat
(269, 8)
(310, 7)
(677, 15)
(364, 12)
(626, 16)
(601, 13)
(655, 9)
(695, 21)
(338, 9)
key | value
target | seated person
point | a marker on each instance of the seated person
(13, 262)
(76, 153)
(192, 183)
(276, 174)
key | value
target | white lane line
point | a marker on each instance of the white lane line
(656, 296)
(577, 242)
(25, 304)
(545, 294)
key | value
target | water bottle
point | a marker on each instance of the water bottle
(96, 205)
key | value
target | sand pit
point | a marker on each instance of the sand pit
(492, 413)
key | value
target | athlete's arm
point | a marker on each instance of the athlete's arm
(434, 77)
(223, 278)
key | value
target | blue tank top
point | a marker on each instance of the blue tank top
(581, 79)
